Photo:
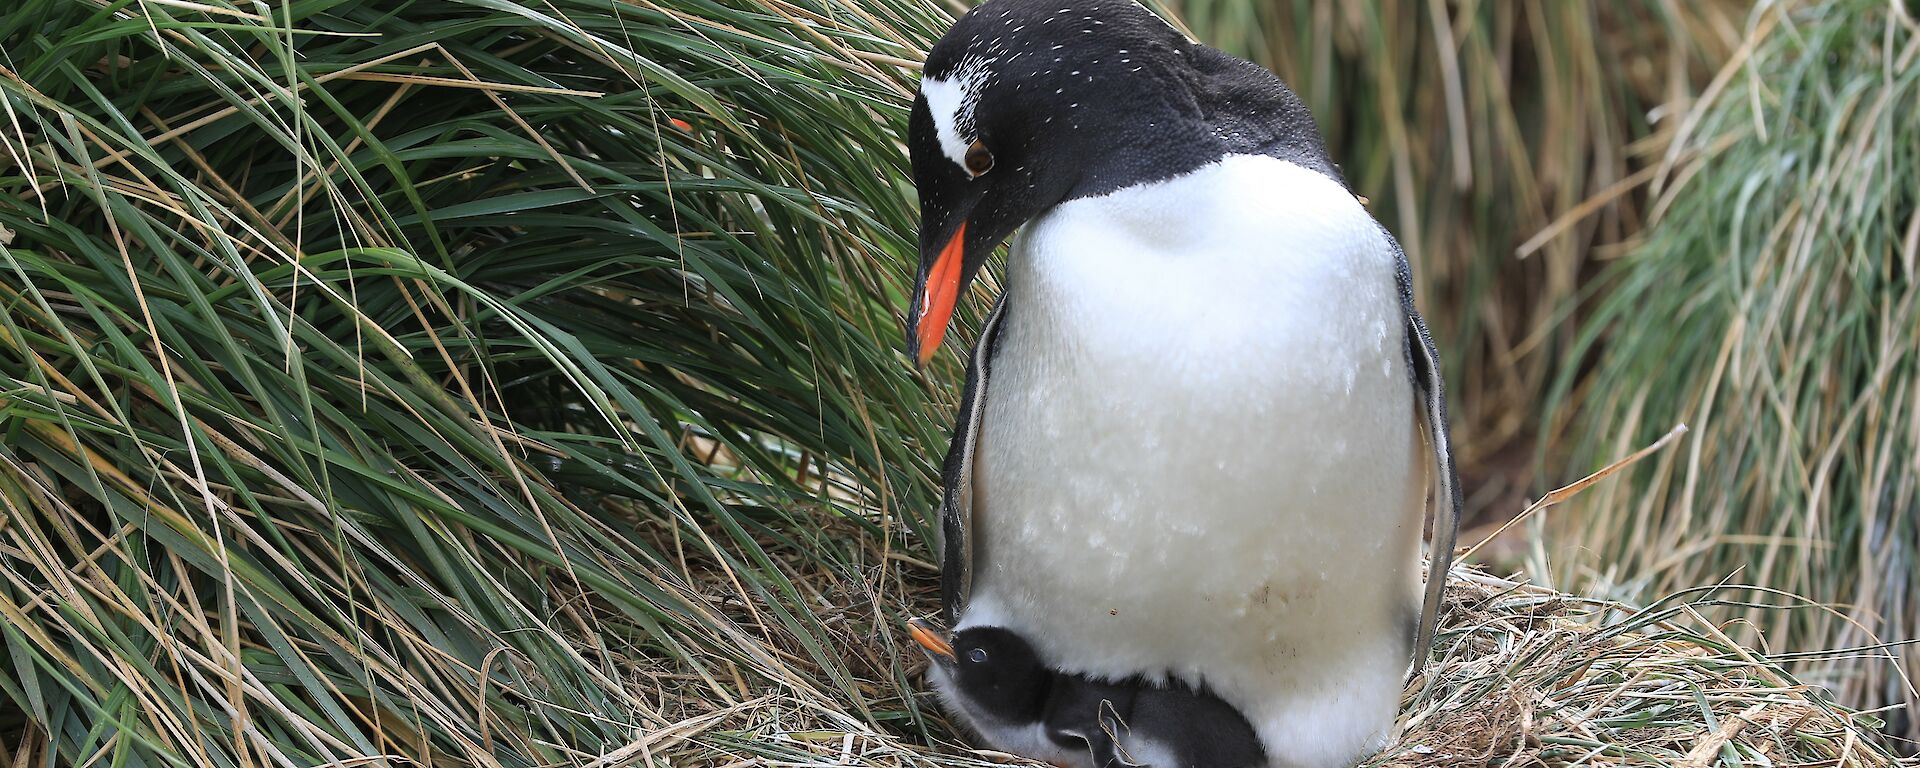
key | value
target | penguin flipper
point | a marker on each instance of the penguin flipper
(1093, 715)
(1109, 753)
(956, 476)
(1424, 364)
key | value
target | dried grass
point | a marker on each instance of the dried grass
(1523, 676)
(1530, 676)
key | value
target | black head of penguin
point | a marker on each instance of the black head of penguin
(999, 673)
(1026, 104)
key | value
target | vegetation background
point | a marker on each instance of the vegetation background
(500, 382)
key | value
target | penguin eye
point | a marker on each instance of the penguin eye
(977, 655)
(979, 159)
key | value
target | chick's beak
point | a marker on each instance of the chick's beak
(924, 634)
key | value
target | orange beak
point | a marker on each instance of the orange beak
(941, 292)
(927, 638)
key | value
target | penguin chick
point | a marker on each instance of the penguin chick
(997, 683)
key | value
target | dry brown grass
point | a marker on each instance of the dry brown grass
(1523, 676)
(1529, 676)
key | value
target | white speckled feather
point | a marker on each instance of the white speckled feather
(1199, 451)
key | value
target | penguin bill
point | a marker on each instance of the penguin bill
(924, 634)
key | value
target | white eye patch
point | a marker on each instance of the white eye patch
(952, 102)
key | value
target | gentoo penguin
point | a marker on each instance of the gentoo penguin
(1201, 424)
(1002, 690)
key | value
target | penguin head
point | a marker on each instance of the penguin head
(997, 673)
(1025, 104)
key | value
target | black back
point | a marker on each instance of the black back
(1114, 720)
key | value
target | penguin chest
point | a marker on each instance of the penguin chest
(1197, 450)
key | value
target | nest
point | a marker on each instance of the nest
(1529, 676)
(1522, 676)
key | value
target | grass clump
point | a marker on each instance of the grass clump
(1773, 307)
(387, 380)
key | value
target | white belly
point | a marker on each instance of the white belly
(1198, 452)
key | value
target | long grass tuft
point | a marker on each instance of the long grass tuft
(454, 382)
(1774, 308)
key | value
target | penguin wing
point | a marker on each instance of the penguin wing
(1431, 395)
(956, 475)
(1093, 715)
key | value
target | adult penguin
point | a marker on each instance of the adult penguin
(1200, 427)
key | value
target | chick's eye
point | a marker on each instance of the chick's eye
(977, 656)
(979, 159)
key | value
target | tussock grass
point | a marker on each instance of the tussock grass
(397, 378)
(1773, 307)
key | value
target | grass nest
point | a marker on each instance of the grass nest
(1529, 676)
(1523, 675)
